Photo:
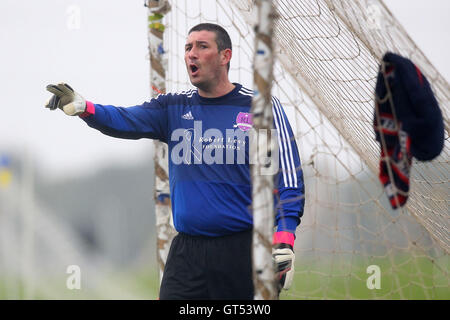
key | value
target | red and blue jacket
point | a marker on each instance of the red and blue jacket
(208, 144)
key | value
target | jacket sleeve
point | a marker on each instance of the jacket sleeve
(290, 192)
(149, 120)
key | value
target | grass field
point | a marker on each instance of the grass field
(406, 277)
(411, 278)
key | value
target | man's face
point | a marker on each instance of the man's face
(202, 58)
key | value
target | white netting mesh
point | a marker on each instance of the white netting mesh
(328, 53)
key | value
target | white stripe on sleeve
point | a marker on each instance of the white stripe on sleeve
(286, 152)
(281, 144)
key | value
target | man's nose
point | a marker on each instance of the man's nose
(193, 54)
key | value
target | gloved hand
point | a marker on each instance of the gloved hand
(66, 99)
(284, 257)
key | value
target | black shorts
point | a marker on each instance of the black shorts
(209, 268)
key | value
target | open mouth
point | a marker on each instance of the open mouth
(193, 68)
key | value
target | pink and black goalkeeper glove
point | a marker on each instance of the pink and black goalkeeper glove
(284, 257)
(66, 99)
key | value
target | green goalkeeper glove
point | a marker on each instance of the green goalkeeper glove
(66, 99)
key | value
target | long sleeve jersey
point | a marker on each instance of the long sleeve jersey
(208, 144)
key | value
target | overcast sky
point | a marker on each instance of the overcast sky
(104, 58)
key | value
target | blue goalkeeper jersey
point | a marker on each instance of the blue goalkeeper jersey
(208, 144)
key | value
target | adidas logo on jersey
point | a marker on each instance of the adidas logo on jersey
(187, 116)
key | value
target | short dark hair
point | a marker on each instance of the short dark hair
(223, 40)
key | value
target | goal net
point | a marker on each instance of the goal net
(350, 243)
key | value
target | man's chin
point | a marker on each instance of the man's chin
(198, 83)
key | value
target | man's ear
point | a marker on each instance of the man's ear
(226, 56)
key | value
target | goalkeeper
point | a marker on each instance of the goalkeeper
(210, 258)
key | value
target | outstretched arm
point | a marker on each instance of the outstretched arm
(148, 120)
